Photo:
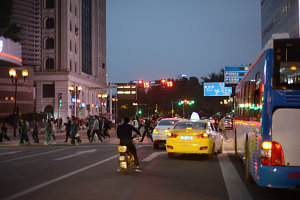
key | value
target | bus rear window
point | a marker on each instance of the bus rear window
(287, 64)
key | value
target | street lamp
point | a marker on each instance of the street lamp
(75, 91)
(15, 80)
(116, 106)
(173, 109)
(100, 97)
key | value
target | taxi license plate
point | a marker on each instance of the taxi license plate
(186, 137)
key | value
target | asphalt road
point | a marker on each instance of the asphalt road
(88, 171)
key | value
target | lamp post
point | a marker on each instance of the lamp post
(15, 80)
(100, 97)
(173, 109)
(75, 91)
(115, 99)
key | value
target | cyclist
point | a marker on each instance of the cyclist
(124, 133)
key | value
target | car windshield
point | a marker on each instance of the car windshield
(190, 125)
(169, 122)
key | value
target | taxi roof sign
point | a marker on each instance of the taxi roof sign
(195, 116)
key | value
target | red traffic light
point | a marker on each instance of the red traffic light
(146, 85)
(170, 84)
(163, 81)
(140, 82)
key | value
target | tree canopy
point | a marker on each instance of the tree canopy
(8, 29)
(158, 99)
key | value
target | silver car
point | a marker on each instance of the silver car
(161, 130)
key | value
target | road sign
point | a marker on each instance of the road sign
(216, 89)
(233, 75)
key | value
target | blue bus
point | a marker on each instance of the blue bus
(267, 116)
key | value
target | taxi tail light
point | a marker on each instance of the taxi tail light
(271, 153)
(155, 131)
(203, 135)
(172, 135)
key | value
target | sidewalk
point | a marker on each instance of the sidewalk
(60, 138)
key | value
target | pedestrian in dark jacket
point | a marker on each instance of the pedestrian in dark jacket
(124, 132)
(68, 126)
(4, 132)
(35, 132)
(106, 127)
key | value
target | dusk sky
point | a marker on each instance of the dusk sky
(154, 39)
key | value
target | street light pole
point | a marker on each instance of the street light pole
(173, 109)
(15, 80)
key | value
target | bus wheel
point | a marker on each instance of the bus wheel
(247, 172)
(235, 146)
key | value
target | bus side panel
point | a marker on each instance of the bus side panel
(279, 176)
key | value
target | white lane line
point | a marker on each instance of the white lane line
(152, 156)
(9, 153)
(24, 192)
(33, 155)
(77, 154)
(235, 187)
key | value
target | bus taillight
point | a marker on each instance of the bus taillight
(271, 153)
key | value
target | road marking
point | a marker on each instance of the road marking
(24, 192)
(235, 187)
(152, 156)
(9, 153)
(77, 154)
(33, 155)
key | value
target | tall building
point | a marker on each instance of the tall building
(278, 16)
(26, 14)
(73, 54)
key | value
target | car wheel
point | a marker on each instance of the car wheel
(247, 172)
(171, 155)
(210, 156)
(155, 145)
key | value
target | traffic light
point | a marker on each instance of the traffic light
(170, 84)
(146, 85)
(140, 112)
(59, 99)
(140, 82)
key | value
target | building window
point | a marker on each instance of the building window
(50, 63)
(70, 45)
(50, 43)
(48, 90)
(75, 66)
(75, 11)
(49, 23)
(70, 6)
(70, 26)
(49, 3)
(86, 31)
(103, 65)
(71, 65)
(75, 48)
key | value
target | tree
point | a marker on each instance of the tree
(7, 29)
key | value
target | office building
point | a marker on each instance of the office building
(278, 16)
(73, 47)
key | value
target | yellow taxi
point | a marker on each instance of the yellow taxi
(191, 137)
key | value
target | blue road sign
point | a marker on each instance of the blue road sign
(233, 75)
(216, 89)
